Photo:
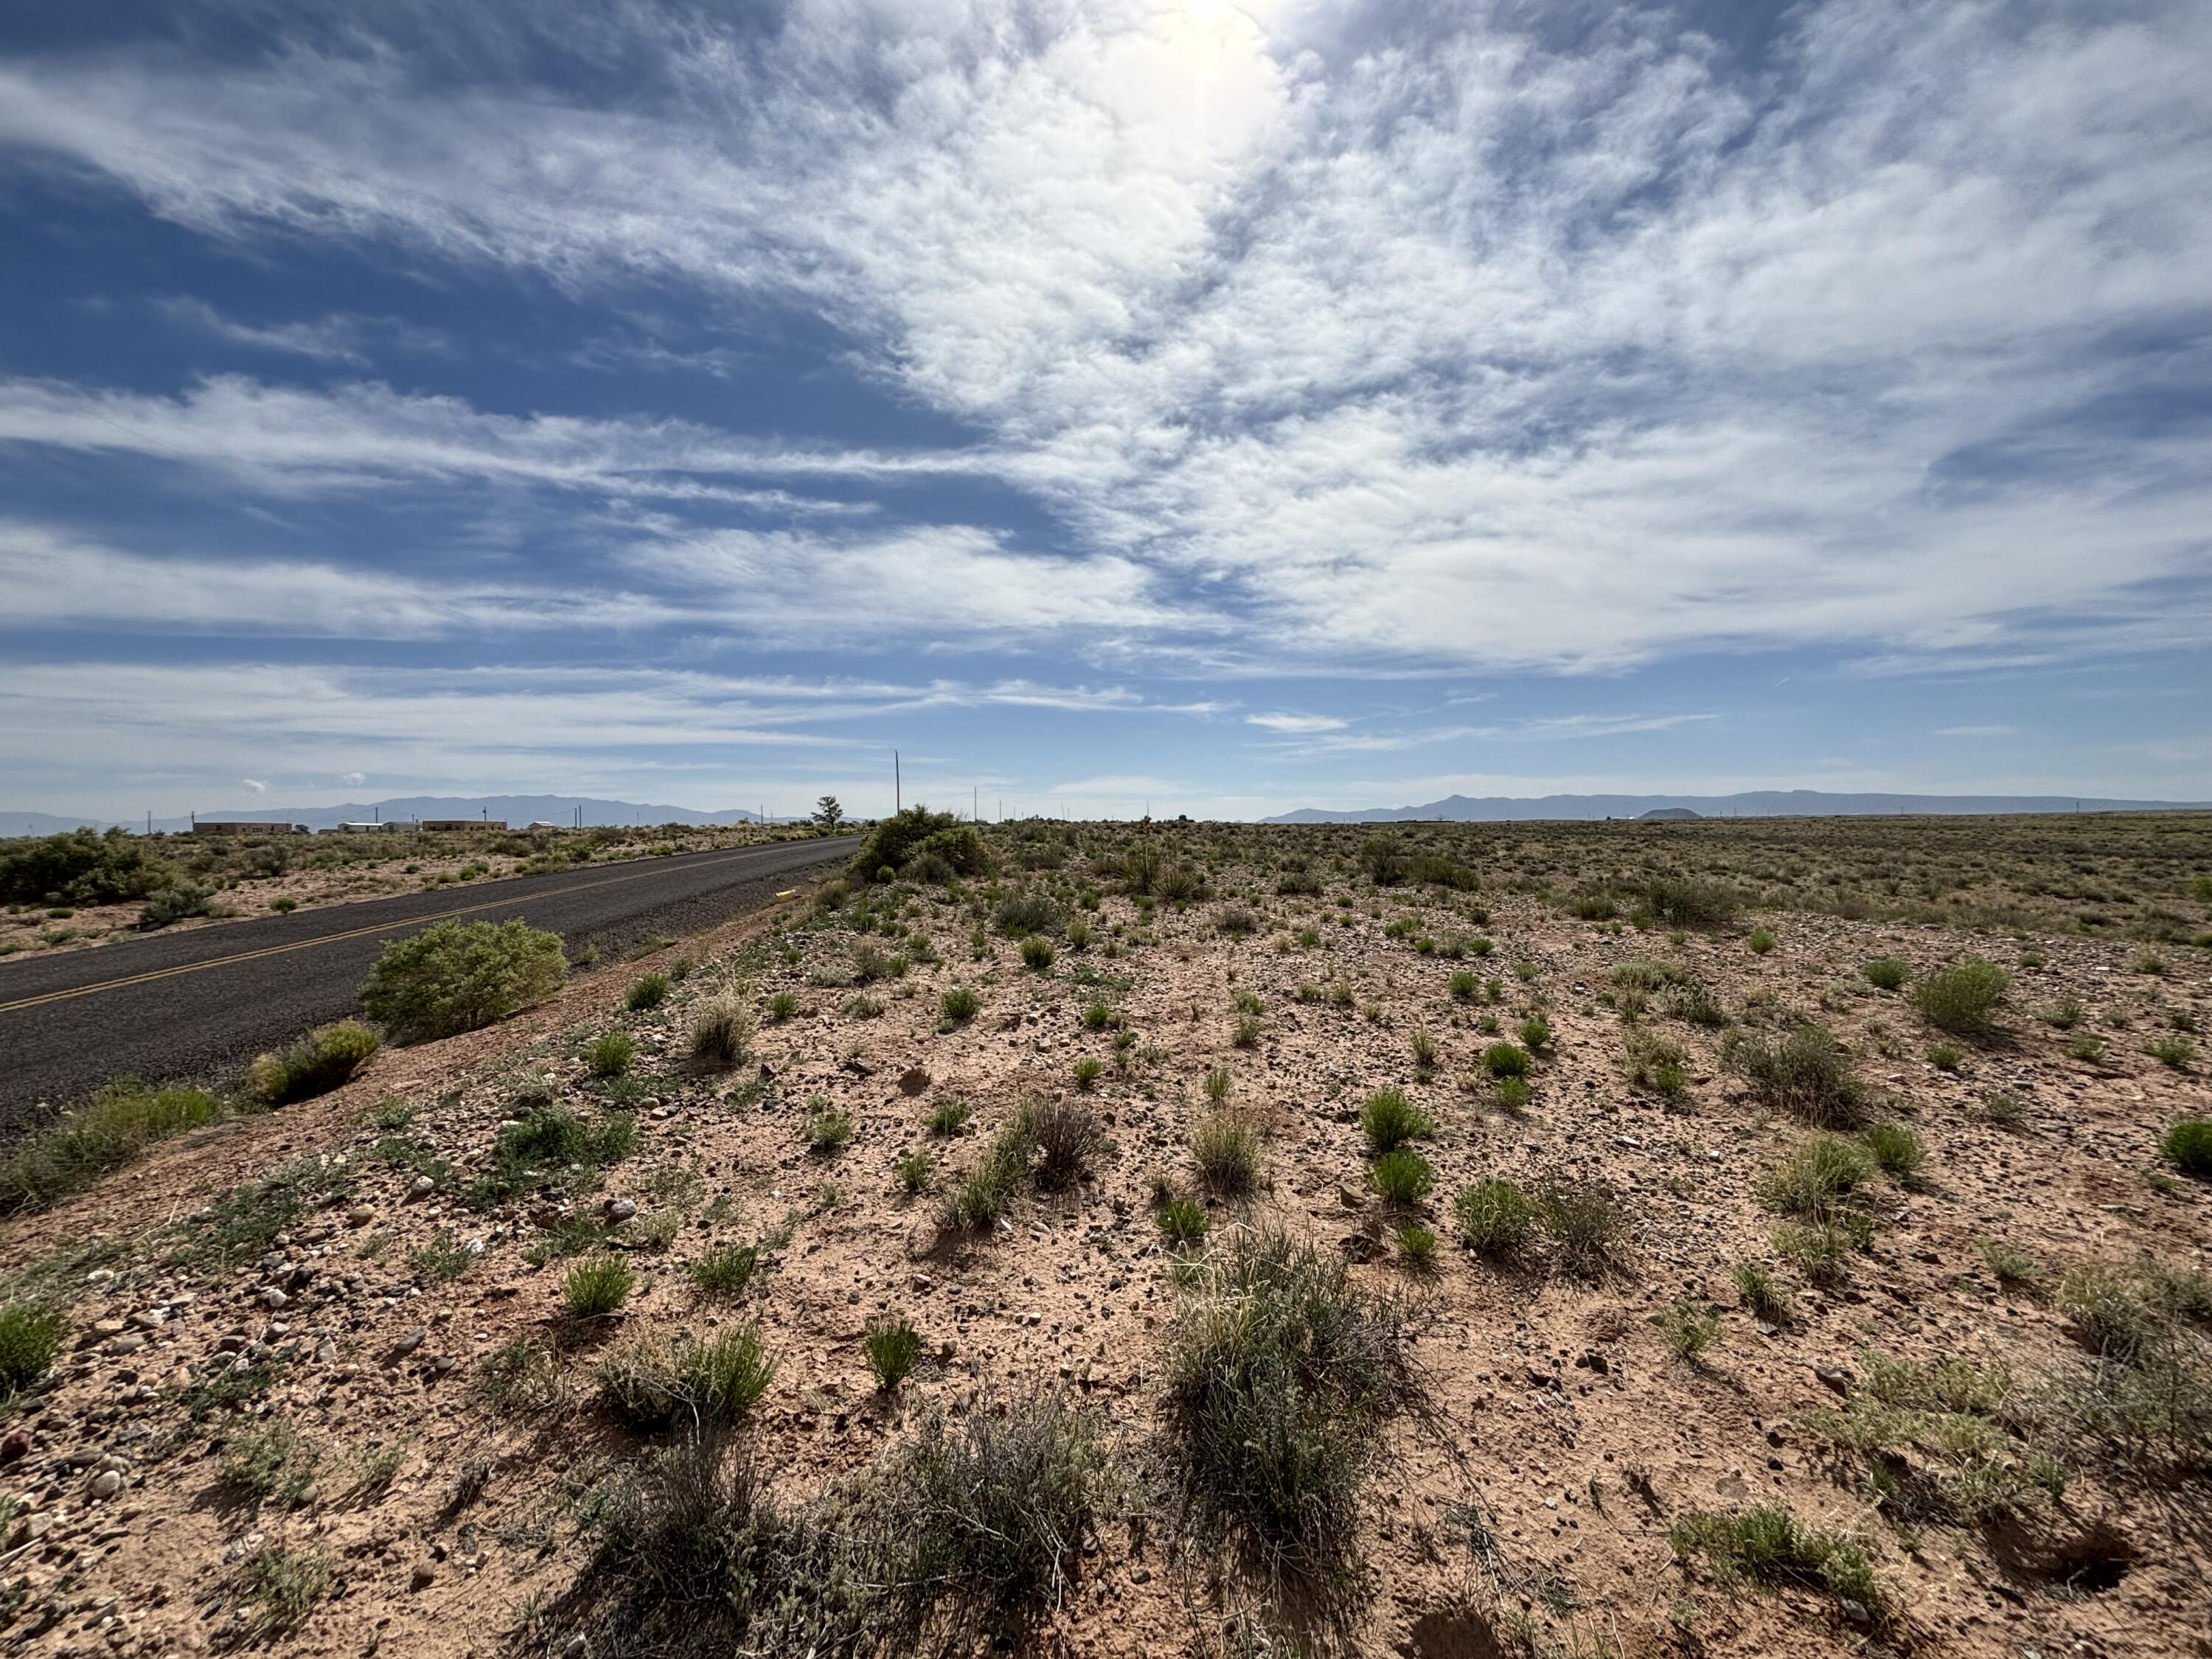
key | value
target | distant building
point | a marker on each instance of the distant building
(358, 829)
(464, 824)
(237, 827)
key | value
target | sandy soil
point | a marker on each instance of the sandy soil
(1558, 1422)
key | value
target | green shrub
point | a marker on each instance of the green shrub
(894, 1350)
(1887, 973)
(914, 1169)
(1760, 941)
(265, 1463)
(917, 833)
(1897, 1149)
(550, 1146)
(2188, 1145)
(949, 1117)
(1946, 1056)
(324, 1060)
(721, 1031)
(1512, 1093)
(1677, 900)
(783, 1005)
(1495, 1216)
(1389, 1120)
(596, 1288)
(1463, 985)
(1535, 1031)
(454, 976)
(609, 1053)
(1505, 1059)
(646, 991)
(1183, 1220)
(1280, 1377)
(828, 1129)
(1226, 1149)
(960, 1003)
(1087, 1071)
(1037, 952)
(31, 1337)
(1402, 1176)
(114, 1128)
(82, 867)
(1961, 997)
(277, 1589)
(1806, 1073)
(724, 1377)
(1762, 1292)
(176, 904)
(1417, 1246)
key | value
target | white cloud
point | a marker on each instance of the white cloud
(254, 786)
(1975, 731)
(353, 780)
(1283, 722)
(1457, 348)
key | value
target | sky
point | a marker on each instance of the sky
(1108, 404)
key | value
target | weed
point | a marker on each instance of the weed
(266, 1463)
(31, 1337)
(721, 1031)
(1760, 942)
(1762, 1292)
(1065, 1135)
(1503, 1060)
(828, 1129)
(1584, 1222)
(1389, 1120)
(646, 991)
(1183, 1220)
(2014, 1268)
(2172, 1050)
(1946, 1056)
(949, 1117)
(1960, 998)
(115, 1128)
(726, 1269)
(1494, 1216)
(1897, 1149)
(596, 1288)
(1424, 1051)
(1226, 1149)
(1087, 1071)
(1816, 1250)
(524, 1376)
(1463, 986)
(609, 1053)
(1402, 1176)
(2187, 1145)
(278, 1589)
(783, 1005)
(1823, 1171)
(724, 1378)
(1689, 1329)
(1037, 953)
(894, 1350)
(1806, 1073)
(914, 1169)
(442, 1259)
(1887, 973)
(1280, 1375)
(1768, 1546)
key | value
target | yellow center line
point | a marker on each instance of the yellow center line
(328, 939)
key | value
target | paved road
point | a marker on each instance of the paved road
(194, 1004)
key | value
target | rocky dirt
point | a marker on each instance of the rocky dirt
(1525, 1505)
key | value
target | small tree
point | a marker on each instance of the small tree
(828, 815)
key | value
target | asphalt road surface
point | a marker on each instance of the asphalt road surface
(195, 1004)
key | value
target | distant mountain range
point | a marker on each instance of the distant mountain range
(1755, 804)
(516, 810)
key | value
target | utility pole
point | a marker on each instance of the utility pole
(974, 794)
(898, 796)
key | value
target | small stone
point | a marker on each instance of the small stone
(1837, 1377)
(360, 1216)
(422, 1187)
(106, 1484)
(272, 1298)
(17, 1444)
(621, 1209)
(423, 1577)
(412, 1341)
(127, 1344)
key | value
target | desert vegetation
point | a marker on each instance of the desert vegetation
(1528, 1239)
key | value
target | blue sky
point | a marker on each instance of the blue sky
(1229, 407)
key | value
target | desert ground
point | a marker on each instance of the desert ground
(1730, 1238)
